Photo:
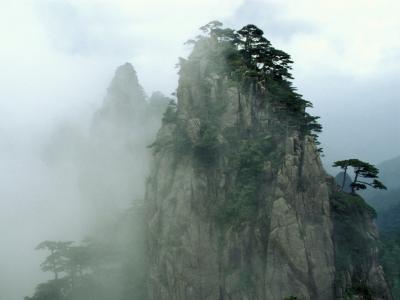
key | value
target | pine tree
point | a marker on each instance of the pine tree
(362, 170)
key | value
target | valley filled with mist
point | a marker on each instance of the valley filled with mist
(167, 161)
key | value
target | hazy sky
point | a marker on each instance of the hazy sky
(57, 58)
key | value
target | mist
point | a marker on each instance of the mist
(58, 58)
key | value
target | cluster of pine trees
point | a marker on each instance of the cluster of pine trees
(251, 59)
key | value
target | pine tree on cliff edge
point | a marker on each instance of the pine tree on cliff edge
(361, 169)
(251, 57)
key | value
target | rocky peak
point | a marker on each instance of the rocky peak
(125, 84)
(239, 206)
(121, 130)
(124, 105)
(238, 202)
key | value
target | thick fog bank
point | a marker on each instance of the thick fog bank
(37, 203)
(80, 176)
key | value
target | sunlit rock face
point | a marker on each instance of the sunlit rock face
(238, 203)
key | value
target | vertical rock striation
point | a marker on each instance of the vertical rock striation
(358, 272)
(238, 204)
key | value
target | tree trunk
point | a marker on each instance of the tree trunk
(344, 178)
(354, 182)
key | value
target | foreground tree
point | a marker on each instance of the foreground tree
(56, 260)
(362, 170)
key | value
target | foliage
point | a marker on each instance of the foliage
(258, 54)
(56, 262)
(51, 290)
(258, 71)
(206, 149)
(247, 159)
(346, 204)
(390, 259)
(348, 212)
(170, 114)
(158, 103)
(361, 170)
(249, 162)
(100, 268)
(248, 58)
(68, 259)
(353, 243)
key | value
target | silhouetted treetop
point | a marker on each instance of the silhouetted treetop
(361, 169)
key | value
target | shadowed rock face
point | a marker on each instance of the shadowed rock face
(238, 203)
(358, 273)
(277, 243)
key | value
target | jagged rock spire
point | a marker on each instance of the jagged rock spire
(125, 103)
(125, 86)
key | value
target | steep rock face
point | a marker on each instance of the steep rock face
(239, 206)
(212, 233)
(359, 274)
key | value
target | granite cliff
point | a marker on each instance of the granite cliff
(238, 203)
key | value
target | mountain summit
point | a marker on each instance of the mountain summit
(239, 206)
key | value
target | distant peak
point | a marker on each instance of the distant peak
(125, 77)
(125, 71)
(126, 67)
(125, 87)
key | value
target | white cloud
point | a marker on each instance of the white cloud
(57, 56)
(358, 37)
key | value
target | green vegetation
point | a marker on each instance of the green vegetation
(107, 266)
(207, 147)
(74, 262)
(57, 261)
(390, 259)
(170, 114)
(344, 203)
(269, 110)
(254, 63)
(353, 244)
(257, 70)
(51, 290)
(387, 205)
(253, 147)
(247, 159)
(361, 170)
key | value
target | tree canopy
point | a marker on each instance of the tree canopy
(362, 170)
(252, 60)
(56, 261)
